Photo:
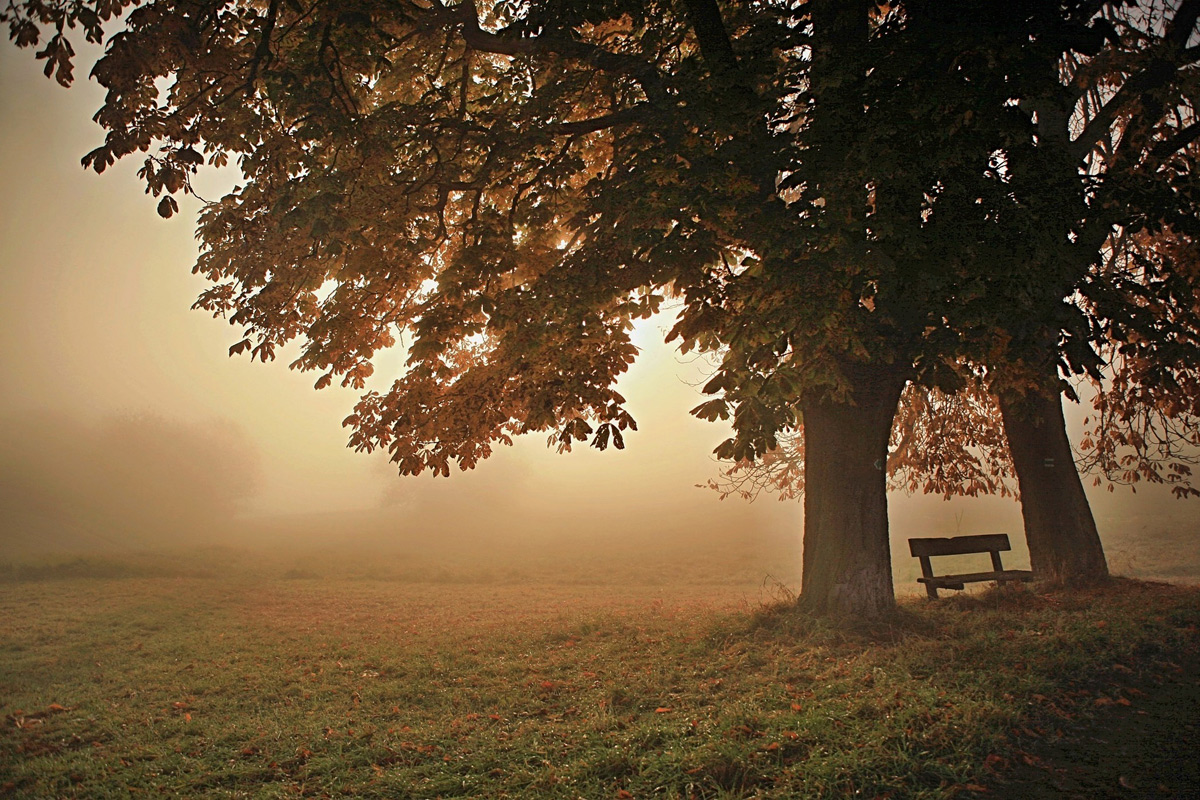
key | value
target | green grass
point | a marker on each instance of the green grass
(252, 687)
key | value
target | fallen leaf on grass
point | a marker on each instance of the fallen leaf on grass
(662, 710)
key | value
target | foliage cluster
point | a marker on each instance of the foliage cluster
(511, 184)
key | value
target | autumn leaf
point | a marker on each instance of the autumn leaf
(167, 207)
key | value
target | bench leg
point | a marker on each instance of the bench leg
(927, 572)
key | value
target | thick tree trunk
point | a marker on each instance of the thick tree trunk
(1063, 544)
(847, 557)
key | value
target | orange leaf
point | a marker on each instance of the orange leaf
(662, 710)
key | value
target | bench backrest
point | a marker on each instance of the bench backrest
(958, 545)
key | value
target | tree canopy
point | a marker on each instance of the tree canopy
(844, 198)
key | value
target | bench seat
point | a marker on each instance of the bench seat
(957, 581)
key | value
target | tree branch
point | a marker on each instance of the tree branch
(1158, 72)
(625, 116)
(1183, 24)
(1177, 142)
(644, 72)
(262, 53)
(715, 47)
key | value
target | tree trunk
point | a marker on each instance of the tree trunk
(847, 557)
(1063, 544)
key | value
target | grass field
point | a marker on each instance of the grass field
(271, 687)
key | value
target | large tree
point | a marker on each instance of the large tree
(508, 187)
(1081, 221)
(503, 188)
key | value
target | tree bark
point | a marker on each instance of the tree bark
(1064, 546)
(847, 569)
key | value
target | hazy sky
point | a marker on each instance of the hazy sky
(95, 292)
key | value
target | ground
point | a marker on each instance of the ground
(1145, 744)
(266, 686)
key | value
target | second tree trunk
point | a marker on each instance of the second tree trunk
(1064, 546)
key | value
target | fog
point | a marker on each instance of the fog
(127, 427)
(121, 482)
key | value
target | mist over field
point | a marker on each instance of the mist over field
(142, 494)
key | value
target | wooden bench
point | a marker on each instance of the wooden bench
(991, 543)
